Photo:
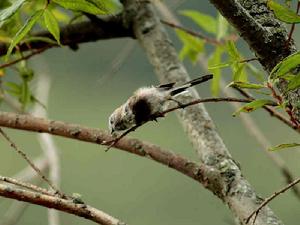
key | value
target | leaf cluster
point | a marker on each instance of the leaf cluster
(18, 18)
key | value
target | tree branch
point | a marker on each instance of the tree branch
(96, 136)
(271, 110)
(193, 33)
(154, 117)
(26, 185)
(236, 192)
(34, 167)
(81, 210)
(74, 34)
(269, 199)
(258, 26)
(33, 53)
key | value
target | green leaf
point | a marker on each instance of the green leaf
(192, 46)
(222, 27)
(286, 65)
(282, 146)
(24, 30)
(52, 25)
(207, 22)
(88, 6)
(13, 88)
(239, 73)
(238, 68)
(294, 83)
(25, 97)
(10, 11)
(37, 38)
(246, 85)
(4, 4)
(283, 13)
(232, 51)
(108, 6)
(250, 107)
(215, 59)
(60, 16)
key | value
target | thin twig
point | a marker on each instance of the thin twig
(254, 130)
(287, 108)
(293, 26)
(96, 136)
(35, 52)
(248, 60)
(193, 33)
(181, 106)
(35, 168)
(227, 99)
(73, 34)
(16, 209)
(27, 174)
(272, 111)
(26, 185)
(269, 199)
(61, 204)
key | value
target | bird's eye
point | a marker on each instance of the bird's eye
(111, 121)
(126, 109)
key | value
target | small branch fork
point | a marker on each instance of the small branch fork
(33, 53)
(58, 203)
(96, 136)
(293, 26)
(272, 111)
(183, 165)
(193, 33)
(26, 185)
(268, 200)
(35, 168)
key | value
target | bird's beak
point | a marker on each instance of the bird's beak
(112, 131)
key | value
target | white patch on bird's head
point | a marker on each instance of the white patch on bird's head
(111, 126)
(145, 91)
(120, 119)
(114, 120)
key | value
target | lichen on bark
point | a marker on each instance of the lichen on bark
(266, 36)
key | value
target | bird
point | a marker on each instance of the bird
(148, 102)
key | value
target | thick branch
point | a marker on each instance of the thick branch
(81, 210)
(78, 132)
(235, 191)
(258, 26)
(266, 36)
(74, 34)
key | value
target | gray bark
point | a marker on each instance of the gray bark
(230, 186)
(266, 36)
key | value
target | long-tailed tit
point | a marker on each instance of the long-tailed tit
(147, 102)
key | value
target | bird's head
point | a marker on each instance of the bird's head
(117, 121)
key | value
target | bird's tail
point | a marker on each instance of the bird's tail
(183, 87)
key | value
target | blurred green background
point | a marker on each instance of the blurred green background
(134, 189)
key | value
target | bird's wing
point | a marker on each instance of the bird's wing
(198, 80)
(184, 86)
(166, 86)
